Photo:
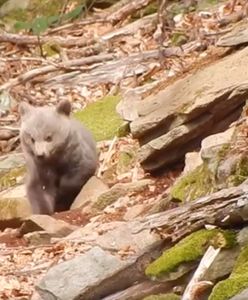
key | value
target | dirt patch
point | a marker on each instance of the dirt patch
(73, 217)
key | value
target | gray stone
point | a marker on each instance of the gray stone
(53, 227)
(120, 190)
(134, 211)
(222, 265)
(178, 136)
(122, 237)
(10, 161)
(192, 161)
(226, 167)
(212, 144)
(238, 36)
(172, 122)
(89, 193)
(18, 191)
(38, 238)
(242, 237)
(242, 296)
(81, 277)
(14, 206)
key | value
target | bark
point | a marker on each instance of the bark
(128, 10)
(33, 40)
(224, 208)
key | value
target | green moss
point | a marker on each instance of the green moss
(163, 297)
(240, 173)
(11, 208)
(152, 8)
(101, 118)
(224, 151)
(124, 129)
(178, 39)
(9, 179)
(50, 49)
(36, 8)
(188, 250)
(237, 281)
(198, 183)
(148, 10)
(2, 2)
(51, 9)
(126, 159)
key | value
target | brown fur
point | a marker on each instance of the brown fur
(60, 155)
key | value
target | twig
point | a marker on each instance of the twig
(159, 34)
(204, 265)
(36, 269)
(32, 40)
(79, 24)
(217, 32)
(128, 10)
(63, 10)
(108, 156)
(47, 69)
(22, 59)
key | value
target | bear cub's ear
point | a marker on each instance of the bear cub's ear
(64, 107)
(24, 108)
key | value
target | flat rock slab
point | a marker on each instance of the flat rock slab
(123, 238)
(93, 188)
(10, 161)
(172, 122)
(238, 36)
(120, 190)
(53, 227)
(14, 206)
(81, 277)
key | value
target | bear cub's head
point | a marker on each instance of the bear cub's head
(44, 130)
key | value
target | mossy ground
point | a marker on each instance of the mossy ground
(50, 9)
(36, 8)
(200, 182)
(237, 281)
(163, 297)
(101, 118)
(189, 249)
(9, 178)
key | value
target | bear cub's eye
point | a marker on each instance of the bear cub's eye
(48, 138)
(32, 140)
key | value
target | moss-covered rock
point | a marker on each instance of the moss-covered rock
(101, 118)
(199, 182)
(163, 297)
(17, 13)
(34, 8)
(240, 172)
(127, 157)
(237, 281)
(120, 190)
(14, 208)
(230, 170)
(188, 250)
(11, 177)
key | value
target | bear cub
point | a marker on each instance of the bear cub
(60, 156)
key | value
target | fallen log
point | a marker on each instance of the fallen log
(224, 208)
(128, 10)
(19, 39)
(52, 68)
